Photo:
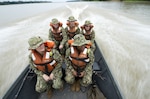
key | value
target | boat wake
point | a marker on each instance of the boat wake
(123, 40)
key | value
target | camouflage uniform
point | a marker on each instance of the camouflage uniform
(57, 42)
(91, 35)
(79, 40)
(41, 84)
(71, 19)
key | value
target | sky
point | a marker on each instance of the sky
(37, 0)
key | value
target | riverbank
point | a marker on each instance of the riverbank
(22, 2)
(27, 2)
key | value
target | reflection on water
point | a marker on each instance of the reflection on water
(122, 33)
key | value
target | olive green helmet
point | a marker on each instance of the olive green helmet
(80, 40)
(71, 18)
(54, 21)
(35, 42)
(87, 22)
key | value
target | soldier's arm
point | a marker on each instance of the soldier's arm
(78, 31)
(82, 31)
(67, 60)
(66, 30)
(39, 73)
(64, 37)
(50, 35)
(93, 36)
(88, 69)
(59, 60)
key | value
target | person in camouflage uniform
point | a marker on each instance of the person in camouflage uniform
(46, 63)
(58, 35)
(79, 60)
(72, 28)
(89, 33)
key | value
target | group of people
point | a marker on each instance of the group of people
(73, 45)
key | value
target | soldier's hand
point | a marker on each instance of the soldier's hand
(74, 73)
(82, 74)
(51, 76)
(61, 46)
(46, 77)
(54, 46)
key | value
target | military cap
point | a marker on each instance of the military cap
(35, 42)
(71, 18)
(80, 40)
(54, 21)
(87, 22)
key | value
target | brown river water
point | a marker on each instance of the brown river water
(122, 33)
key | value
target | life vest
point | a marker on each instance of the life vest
(71, 33)
(44, 63)
(49, 45)
(88, 36)
(79, 59)
(57, 35)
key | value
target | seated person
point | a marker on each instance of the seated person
(79, 60)
(46, 62)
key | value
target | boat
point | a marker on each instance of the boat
(24, 86)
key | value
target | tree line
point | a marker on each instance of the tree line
(22, 2)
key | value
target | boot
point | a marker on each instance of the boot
(49, 93)
(62, 87)
(73, 86)
(77, 89)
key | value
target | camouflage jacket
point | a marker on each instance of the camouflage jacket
(51, 37)
(56, 71)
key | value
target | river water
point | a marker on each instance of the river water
(122, 33)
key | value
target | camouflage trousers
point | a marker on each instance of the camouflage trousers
(42, 85)
(84, 81)
(61, 51)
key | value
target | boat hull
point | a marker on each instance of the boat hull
(24, 86)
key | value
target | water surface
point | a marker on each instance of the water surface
(122, 33)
